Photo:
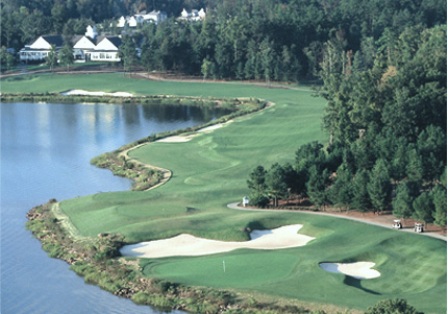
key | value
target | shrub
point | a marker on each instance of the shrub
(259, 200)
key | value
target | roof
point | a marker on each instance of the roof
(115, 43)
(55, 40)
(115, 40)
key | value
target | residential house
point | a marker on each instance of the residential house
(193, 15)
(122, 21)
(91, 32)
(40, 48)
(154, 16)
(83, 47)
(142, 17)
(107, 49)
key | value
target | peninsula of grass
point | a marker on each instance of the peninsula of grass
(210, 171)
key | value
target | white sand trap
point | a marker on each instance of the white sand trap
(211, 128)
(359, 270)
(188, 245)
(87, 93)
(187, 138)
(177, 139)
(214, 127)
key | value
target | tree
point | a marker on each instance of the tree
(147, 57)
(128, 53)
(276, 183)
(257, 184)
(52, 58)
(395, 306)
(6, 59)
(341, 192)
(66, 56)
(361, 200)
(414, 168)
(317, 187)
(402, 203)
(266, 58)
(379, 186)
(438, 194)
(206, 68)
(257, 180)
(431, 145)
(423, 208)
(295, 181)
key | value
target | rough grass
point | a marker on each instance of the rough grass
(211, 171)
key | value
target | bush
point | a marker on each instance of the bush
(259, 201)
(395, 306)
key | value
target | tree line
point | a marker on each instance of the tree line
(387, 133)
(281, 40)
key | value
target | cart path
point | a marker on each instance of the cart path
(370, 221)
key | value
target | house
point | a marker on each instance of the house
(122, 21)
(107, 49)
(193, 15)
(83, 47)
(91, 32)
(40, 48)
(142, 17)
(155, 17)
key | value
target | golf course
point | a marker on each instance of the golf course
(210, 170)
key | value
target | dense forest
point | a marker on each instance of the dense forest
(282, 40)
(382, 65)
(386, 121)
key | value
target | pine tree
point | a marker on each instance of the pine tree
(317, 187)
(439, 198)
(379, 186)
(423, 208)
(276, 183)
(402, 203)
(361, 199)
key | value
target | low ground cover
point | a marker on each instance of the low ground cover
(211, 170)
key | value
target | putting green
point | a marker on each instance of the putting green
(211, 170)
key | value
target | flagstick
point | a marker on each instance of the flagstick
(224, 265)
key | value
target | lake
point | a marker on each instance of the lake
(45, 153)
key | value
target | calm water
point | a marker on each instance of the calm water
(45, 153)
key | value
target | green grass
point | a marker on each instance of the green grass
(211, 171)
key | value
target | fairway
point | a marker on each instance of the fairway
(211, 170)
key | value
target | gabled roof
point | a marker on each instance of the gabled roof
(115, 40)
(55, 40)
(83, 42)
(108, 43)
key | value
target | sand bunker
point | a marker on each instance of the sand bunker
(211, 128)
(187, 138)
(177, 139)
(188, 245)
(359, 270)
(87, 93)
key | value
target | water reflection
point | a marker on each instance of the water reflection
(45, 153)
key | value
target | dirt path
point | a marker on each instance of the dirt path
(384, 221)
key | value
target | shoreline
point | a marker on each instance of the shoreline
(132, 291)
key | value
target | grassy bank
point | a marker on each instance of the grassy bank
(211, 171)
